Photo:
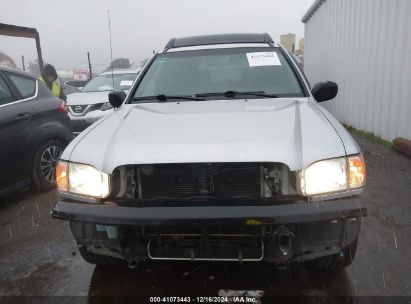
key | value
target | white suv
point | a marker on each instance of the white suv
(91, 104)
(220, 151)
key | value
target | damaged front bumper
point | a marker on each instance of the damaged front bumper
(282, 233)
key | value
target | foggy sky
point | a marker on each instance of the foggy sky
(70, 28)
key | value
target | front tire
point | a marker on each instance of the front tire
(336, 261)
(44, 163)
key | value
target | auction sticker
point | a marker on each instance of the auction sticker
(263, 59)
(126, 83)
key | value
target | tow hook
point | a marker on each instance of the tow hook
(132, 264)
(283, 238)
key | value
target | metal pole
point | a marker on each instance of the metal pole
(89, 66)
(40, 58)
(27, 32)
(111, 48)
(22, 62)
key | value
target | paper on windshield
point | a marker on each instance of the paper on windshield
(126, 83)
(263, 59)
(105, 88)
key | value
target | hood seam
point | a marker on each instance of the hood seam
(325, 116)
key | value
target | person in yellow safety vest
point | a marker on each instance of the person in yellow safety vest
(49, 78)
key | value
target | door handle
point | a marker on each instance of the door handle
(23, 117)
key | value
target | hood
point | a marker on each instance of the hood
(87, 98)
(293, 132)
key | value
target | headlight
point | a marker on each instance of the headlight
(333, 176)
(106, 106)
(82, 179)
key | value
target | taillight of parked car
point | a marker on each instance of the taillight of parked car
(63, 107)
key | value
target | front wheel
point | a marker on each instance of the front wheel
(44, 164)
(336, 261)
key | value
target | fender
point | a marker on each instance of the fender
(48, 130)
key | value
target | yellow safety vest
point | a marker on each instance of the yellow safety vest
(55, 89)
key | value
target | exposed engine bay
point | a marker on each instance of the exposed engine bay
(203, 181)
(244, 238)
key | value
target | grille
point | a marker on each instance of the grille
(78, 108)
(208, 180)
(238, 183)
(169, 181)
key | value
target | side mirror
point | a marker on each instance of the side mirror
(116, 98)
(324, 91)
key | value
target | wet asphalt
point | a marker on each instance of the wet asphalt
(38, 256)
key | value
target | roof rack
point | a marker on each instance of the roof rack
(219, 39)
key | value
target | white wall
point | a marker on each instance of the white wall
(364, 46)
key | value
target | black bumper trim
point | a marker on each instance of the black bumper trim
(301, 212)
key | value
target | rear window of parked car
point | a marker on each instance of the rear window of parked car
(25, 86)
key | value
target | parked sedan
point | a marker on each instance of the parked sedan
(34, 130)
(91, 104)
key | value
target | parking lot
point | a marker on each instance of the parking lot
(39, 256)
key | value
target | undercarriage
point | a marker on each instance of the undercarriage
(280, 244)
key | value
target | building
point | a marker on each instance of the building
(365, 47)
(65, 74)
(300, 51)
(288, 42)
(301, 46)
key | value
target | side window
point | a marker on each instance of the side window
(5, 94)
(26, 86)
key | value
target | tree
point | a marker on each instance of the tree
(34, 68)
(144, 61)
(119, 63)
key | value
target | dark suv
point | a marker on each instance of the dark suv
(34, 130)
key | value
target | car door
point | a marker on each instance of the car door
(15, 123)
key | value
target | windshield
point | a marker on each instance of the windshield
(218, 71)
(105, 82)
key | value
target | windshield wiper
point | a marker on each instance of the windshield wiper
(234, 94)
(163, 97)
